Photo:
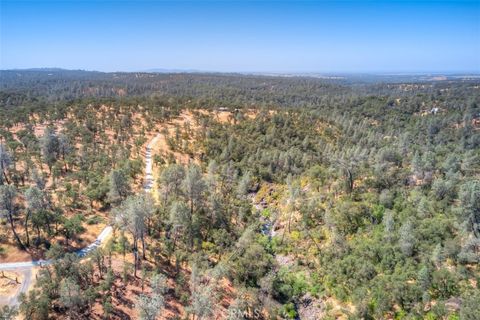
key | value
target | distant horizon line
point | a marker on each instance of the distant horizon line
(189, 70)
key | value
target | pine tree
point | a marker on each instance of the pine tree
(407, 238)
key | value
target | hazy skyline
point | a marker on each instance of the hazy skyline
(250, 36)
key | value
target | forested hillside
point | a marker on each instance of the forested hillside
(274, 197)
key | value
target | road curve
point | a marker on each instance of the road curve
(149, 164)
(26, 267)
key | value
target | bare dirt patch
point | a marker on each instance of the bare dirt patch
(9, 282)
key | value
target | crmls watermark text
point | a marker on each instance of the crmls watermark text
(246, 314)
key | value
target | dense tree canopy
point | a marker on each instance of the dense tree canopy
(309, 196)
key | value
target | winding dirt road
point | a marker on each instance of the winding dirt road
(26, 268)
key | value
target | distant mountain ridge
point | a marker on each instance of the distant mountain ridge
(48, 69)
(166, 70)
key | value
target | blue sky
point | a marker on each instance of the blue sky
(253, 36)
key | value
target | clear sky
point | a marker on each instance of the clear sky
(287, 36)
